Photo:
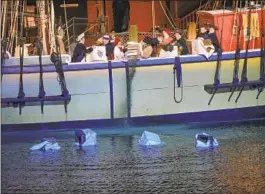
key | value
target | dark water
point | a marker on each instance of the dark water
(118, 165)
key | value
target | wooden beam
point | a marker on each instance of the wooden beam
(69, 5)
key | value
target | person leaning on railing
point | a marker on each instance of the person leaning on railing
(109, 47)
(80, 49)
(213, 37)
(181, 43)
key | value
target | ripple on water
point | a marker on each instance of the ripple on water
(118, 165)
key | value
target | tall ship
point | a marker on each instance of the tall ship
(42, 87)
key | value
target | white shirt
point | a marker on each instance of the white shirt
(118, 54)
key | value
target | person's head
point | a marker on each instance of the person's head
(158, 29)
(106, 39)
(212, 28)
(81, 38)
(204, 28)
(112, 35)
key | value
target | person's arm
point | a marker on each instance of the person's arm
(166, 41)
(183, 44)
(89, 50)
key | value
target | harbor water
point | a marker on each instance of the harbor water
(118, 165)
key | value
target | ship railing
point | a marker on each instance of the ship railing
(124, 36)
(76, 26)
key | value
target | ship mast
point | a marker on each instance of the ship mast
(15, 19)
(102, 15)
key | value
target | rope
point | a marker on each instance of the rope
(3, 17)
(170, 15)
(244, 71)
(219, 52)
(39, 46)
(174, 87)
(234, 26)
(153, 18)
(166, 15)
(130, 75)
(262, 44)
(236, 62)
(237, 55)
(21, 93)
(3, 52)
(66, 23)
(245, 11)
(253, 46)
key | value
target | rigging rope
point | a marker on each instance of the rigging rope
(262, 44)
(66, 23)
(237, 54)
(219, 52)
(21, 93)
(39, 46)
(218, 63)
(262, 52)
(245, 65)
(253, 46)
(174, 86)
(235, 25)
(237, 59)
(166, 15)
(3, 52)
(170, 15)
(153, 18)
(130, 73)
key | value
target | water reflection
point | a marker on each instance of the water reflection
(44, 156)
(206, 149)
(244, 165)
(89, 151)
(118, 165)
(149, 151)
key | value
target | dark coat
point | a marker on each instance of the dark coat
(79, 52)
(215, 41)
(205, 36)
(182, 43)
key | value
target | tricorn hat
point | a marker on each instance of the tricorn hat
(79, 38)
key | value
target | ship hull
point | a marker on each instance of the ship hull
(99, 93)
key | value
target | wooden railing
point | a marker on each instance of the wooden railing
(182, 23)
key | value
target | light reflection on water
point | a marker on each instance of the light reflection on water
(118, 165)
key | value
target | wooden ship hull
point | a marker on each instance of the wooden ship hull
(99, 93)
(177, 89)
